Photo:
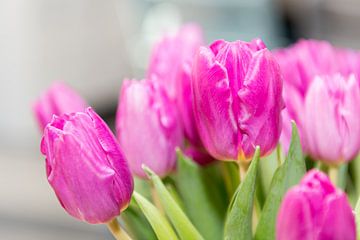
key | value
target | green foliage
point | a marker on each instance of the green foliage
(161, 226)
(238, 223)
(136, 224)
(184, 228)
(202, 193)
(287, 175)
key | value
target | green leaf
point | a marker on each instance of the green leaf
(160, 225)
(238, 223)
(136, 223)
(357, 219)
(287, 175)
(267, 168)
(201, 197)
(180, 221)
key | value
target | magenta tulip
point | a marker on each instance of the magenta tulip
(147, 126)
(315, 210)
(85, 167)
(237, 94)
(58, 99)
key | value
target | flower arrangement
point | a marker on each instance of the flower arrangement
(194, 136)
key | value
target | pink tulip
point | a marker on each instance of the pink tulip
(170, 53)
(300, 64)
(85, 167)
(237, 88)
(147, 126)
(315, 210)
(58, 99)
(332, 124)
(170, 65)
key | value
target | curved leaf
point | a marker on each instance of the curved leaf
(180, 221)
(158, 222)
(239, 219)
(286, 176)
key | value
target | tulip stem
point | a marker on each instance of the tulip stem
(333, 174)
(278, 155)
(117, 231)
(243, 167)
(230, 174)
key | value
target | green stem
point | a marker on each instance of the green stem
(278, 155)
(231, 177)
(333, 174)
(243, 167)
(117, 231)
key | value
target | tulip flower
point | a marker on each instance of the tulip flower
(170, 65)
(331, 118)
(58, 99)
(85, 167)
(237, 97)
(315, 210)
(147, 126)
(300, 64)
(170, 53)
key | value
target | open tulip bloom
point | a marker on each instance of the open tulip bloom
(175, 169)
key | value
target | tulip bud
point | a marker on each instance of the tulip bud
(58, 99)
(300, 64)
(315, 210)
(236, 89)
(85, 167)
(332, 125)
(170, 53)
(147, 127)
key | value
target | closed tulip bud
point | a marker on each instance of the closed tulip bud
(332, 124)
(147, 127)
(170, 53)
(170, 65)
(300, 64)
(315, 210)
(85, 167)
(58, 99)
(237, 89)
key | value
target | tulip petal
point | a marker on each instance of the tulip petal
(77, 188)
(349, 114)
(294, 220)
(261, 104)
(213, 106)
(338, 219)
(147, 127)
(322, 133)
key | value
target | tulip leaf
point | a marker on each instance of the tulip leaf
(179, 220)
(238, 223)
(357, 219)
(201, 197)
(136, 223)
(158, 222)
(286, 176)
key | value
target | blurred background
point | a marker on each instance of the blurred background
(92, 45)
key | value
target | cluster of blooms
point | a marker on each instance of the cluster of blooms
(215, 102)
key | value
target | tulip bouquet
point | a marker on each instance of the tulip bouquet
(197, 153)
